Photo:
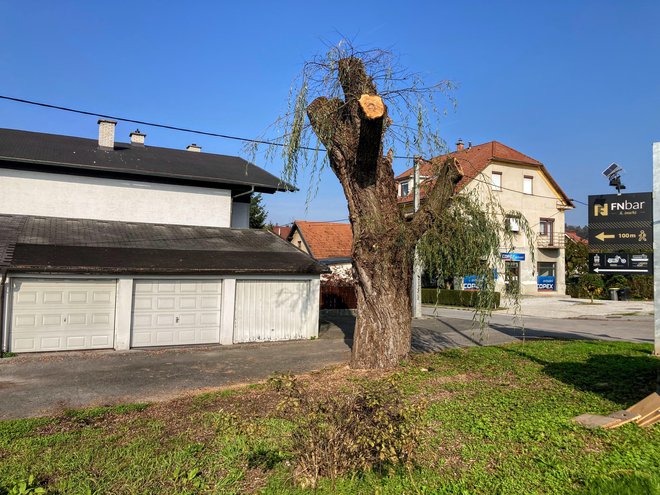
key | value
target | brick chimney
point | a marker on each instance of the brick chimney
(459, 145)
(194, 147)
(137, 138)
(107, 134)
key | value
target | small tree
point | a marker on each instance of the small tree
(592, 284)
(258, 212)
(577, 259)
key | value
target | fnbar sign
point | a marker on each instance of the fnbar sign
(621, 222)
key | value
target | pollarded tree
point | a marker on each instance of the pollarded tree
(349, 100)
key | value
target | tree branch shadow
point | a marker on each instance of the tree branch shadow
(620, 378)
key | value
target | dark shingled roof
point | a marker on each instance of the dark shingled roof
(94, 246)
(52, 151)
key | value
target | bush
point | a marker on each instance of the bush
(370, 429)
(641, 287)
(618, 282)
(470, 299)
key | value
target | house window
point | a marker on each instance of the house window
(547, 278)
(497, 181)
(546, 229)
(404, 189)
(546, 226)
(547, 269)
(528, 184)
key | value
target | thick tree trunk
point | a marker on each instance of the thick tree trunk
(384, 319)
(383, 242)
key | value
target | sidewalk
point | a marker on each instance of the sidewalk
(565, 307)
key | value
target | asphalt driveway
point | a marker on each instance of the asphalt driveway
(44, 384)
(37, 385)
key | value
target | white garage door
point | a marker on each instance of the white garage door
(271, 310)
(62, 315)
(176, 312)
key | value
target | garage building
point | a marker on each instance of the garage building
(108, 245)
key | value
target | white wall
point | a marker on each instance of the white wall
(292, 306)
(25, 192)
(276, 309)
(544, 202)
(341, 270)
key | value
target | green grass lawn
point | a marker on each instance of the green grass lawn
(497, 420)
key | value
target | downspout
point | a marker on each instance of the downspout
(3, 344)
(231, 211)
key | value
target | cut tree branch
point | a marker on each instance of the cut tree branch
(438, 197)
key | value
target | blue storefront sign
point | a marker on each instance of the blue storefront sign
(545, 283)
(513, 256)
(472, 282)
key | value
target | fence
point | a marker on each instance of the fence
(338, 297)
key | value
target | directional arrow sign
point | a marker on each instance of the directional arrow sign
(639, 263)
(615, 238)
(618, 270)
(602, 236)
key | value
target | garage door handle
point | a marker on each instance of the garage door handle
(177, 319)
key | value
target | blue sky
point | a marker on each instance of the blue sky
(573, 84)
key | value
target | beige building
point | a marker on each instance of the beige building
(520, 183)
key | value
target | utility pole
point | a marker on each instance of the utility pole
(417, 266)
(656, 247)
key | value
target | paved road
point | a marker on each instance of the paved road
(34, 385)
(455, 328)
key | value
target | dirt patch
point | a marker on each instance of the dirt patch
(184, 415)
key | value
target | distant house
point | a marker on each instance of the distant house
(109, 245)
(329, 243)
(573, 236)
(281, 231)
(520, 183)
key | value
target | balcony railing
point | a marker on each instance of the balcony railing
(555, 240)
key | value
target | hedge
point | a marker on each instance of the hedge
(448, 297)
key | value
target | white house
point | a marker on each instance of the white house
(107, 245)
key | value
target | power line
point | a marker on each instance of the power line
(212, 134)
(141, 122)
(162, 126)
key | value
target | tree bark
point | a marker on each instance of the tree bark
(383, 242)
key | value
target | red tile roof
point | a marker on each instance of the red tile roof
(326, 240)
(474, 160)
(572, 235)
(281, 231)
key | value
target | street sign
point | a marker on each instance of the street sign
(513, 256)
(621, 263)
(618, 222)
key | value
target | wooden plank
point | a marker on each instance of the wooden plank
(624, 417)
(595, 421)
(650, 420)
(646, 407)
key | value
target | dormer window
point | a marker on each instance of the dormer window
(405, 190)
